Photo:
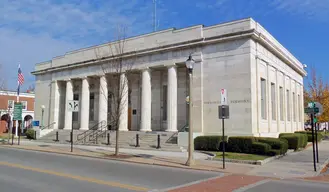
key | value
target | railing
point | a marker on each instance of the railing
(99, 133)
(183, 129)
(48, 126)
(87, 133)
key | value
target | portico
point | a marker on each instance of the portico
(149, 99)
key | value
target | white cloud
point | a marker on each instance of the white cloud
(312, 9)
(33, 31)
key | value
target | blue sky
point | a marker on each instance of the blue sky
(33, 31)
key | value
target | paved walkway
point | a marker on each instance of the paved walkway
(294, 165)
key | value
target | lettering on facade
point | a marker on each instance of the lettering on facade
(240, 101)
(211, 102)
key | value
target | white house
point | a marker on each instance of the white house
(264, 82)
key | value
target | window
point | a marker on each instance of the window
(164, 103)
(75, 114)
(24, 105)
(263, 97)
(281, 104)
(273, 101)
(288, 106)
(294, 106)
(91, 106)
(10, 104)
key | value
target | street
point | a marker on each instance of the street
(36, 171)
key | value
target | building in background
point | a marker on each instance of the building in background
(264, 82)
(7, 100)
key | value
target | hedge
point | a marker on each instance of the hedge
(275, 143)
(240, 144)
(309, 135)
(293, 140)
(30, 134)
(208, 143)
(260, 148)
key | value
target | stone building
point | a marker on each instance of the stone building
(263, 79)
(7, 102)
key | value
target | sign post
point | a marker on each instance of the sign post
(73, 106)
(17, 116)
(314, 109)
(223, 113)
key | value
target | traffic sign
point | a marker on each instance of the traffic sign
(311, 104)
(311, 110)
(223, 97)
(73, 106)
(18, 107)
(320, 107)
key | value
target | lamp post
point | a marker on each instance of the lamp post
(42, 111)
(189, 65)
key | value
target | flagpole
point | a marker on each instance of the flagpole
(17, 100)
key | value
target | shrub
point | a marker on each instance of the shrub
(274, 152)
(208, 143)
(309, 135)
(293, 140)
(30, 134)
(275, 143)
(260, 148)
(240, 144)
(303, 140)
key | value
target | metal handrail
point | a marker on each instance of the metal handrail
(46, 127)
(90, 131)
(99, 132)
(176, 133)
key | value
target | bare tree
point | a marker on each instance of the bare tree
(118, 64)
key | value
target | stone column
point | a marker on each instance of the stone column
(56, 105)
(172, 99)
(68, 97)
(103, 97)
(146, 101)
(84, 109)
(123, 118)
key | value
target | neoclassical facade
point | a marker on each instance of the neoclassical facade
(264, 82)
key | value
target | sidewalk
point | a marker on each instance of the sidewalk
(295, 165)
(151, 157)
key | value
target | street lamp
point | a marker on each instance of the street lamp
(189, 65)
(42, 111)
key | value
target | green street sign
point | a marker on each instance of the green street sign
(315, 120)
(311, 105)
(311, 110)
(18, 107)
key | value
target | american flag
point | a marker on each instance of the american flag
(20, 78)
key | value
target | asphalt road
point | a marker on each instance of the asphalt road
(31, 171)
(291, 186)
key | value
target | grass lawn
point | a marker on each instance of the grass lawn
(240, 156)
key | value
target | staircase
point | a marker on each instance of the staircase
(97, 135)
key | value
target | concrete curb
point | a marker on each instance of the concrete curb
(251, 162)
(322, 167)
(116, 159)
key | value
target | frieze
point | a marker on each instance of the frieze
(240, 101)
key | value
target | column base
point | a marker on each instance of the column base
(145, 130)
(67, 128)
(171, 130)
(83, 129)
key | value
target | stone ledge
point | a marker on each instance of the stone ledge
(252, 162)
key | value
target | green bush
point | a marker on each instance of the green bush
(30, 134)
(208, 143)
(274, 152)
(309, 135)
(303, 140)
(240, 144)
(293, 140)
(275, 143)
(260, 148)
